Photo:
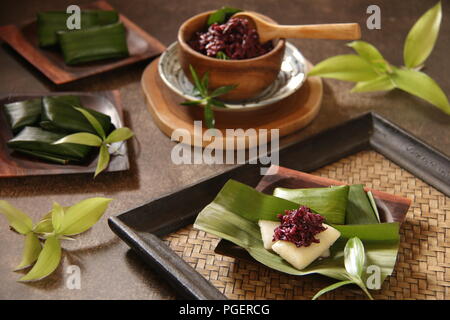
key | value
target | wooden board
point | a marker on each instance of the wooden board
(13, 164)
(23, 38)
(289, 115)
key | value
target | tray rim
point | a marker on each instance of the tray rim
(113, 96)
(370, 131)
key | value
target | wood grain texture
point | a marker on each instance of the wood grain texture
(269, 31)
(288, 115)
(252, 76)
(23, 39)
(13, 164)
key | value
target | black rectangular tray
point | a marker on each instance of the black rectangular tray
(141, 227)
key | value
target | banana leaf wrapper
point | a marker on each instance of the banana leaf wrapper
(59, 115)
(23, 113)
(236, 210)
(43, 156)
(334, 207)
(49, 23)
(358, 201)
(39, 143)
(96, 43)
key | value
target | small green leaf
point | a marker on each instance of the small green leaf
(197, 82)
(66, 238)
(83, 138)
(103, 159)
(422, 37)
(331, 287)
(208, 114)
(93, 121)
(17, 219)
(222, 90)
(222, 15)
(354, 257)
(205, 82)
(217, 103)
(366, 50)
(348, 67)
(192, 102)
(421, 85)
(119, 134)
(47, 261)
(44, 226)
(371, 54)
(57, 217)
(382, 83)
(30, 252)
(83, 215)
(361, 284)
(222, 56)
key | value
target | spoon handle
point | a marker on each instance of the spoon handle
(338, 31)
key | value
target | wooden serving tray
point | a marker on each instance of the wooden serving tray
(23, 38)
(289, 115)
(142, 227)
(13, 164)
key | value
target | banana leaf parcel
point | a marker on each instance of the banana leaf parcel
(23, 113)
(59, 114)
(96, 43)
(234, 214)
(49, 23)
(358, 201)
(39, 143)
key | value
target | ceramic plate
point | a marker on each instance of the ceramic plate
(290, 79)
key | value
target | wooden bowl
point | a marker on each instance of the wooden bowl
(251, 75)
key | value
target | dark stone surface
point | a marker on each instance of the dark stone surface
(108, 269)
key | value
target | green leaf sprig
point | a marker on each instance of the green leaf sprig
(59, 224)
(222, 15)
(222, 56)
(354, 259)
(372, 72)
(101, 140)
(208, 99)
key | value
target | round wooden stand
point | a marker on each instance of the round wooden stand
(289, 115)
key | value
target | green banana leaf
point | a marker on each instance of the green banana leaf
(96, 43)
(43, 156)
(38, 142)
(357, 203)
(23, 113)
(236, 210)
(59, 114)
(49, 23)
(330, 201)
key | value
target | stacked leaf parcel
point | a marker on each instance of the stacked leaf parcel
(100, 35)
(38, 123)
(250, 219)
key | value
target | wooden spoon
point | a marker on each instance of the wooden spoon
(269, 31)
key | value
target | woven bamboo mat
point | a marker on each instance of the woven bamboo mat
(422, 270)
